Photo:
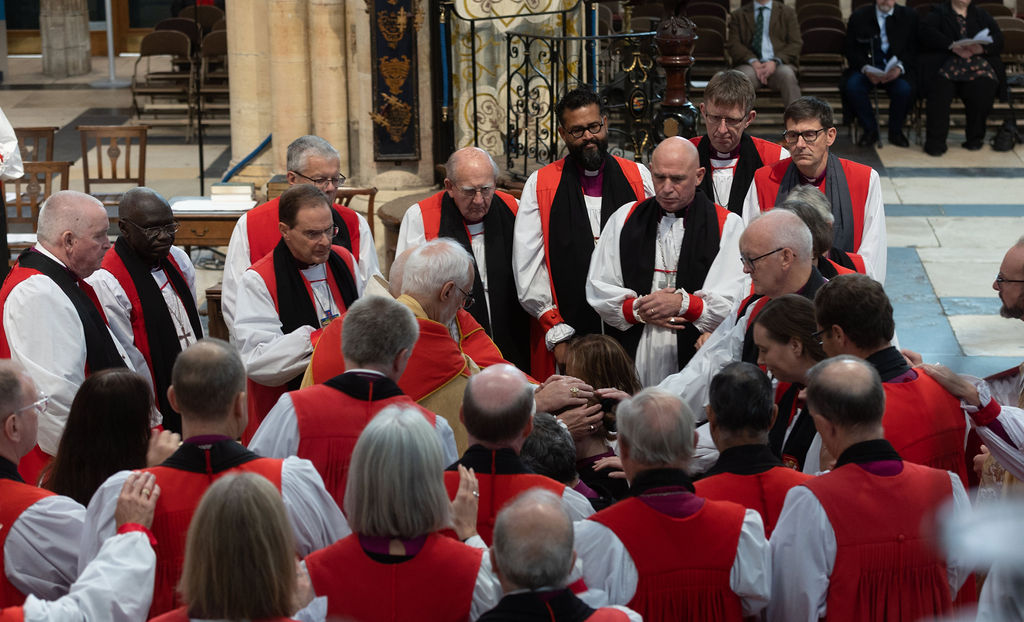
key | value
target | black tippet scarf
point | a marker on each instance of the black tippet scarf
(502, 461)
(294, 305)
(868, 451)
(164, 345)
(364, 386)
(510, 325)
(794, 448)
(221, 456)
(9, 470)
(810, 288)
(748, 162)
(744, 460)
(837, 189)
(652, 479)
(571, 242)
(545, 606)
(100, 351)
(637, 244)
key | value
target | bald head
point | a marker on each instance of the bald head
(18, 425)
(533, 542)
(777, 253)
(676, 172)
(73, 226)
(146, 222)
(847, 391)
(498, 406)
(470, 160)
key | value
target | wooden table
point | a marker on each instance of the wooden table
(208, 225)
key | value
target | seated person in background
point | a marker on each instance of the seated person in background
(533, 556)
(550, 451)
(876, 35)
(287, 298)
(116, 586)
(599, 361)
(765, 46)
(740, 415)
(812, 207)
(971, 71)
(108, 430)
(498, 413)
(240, 524)
(788, 348)
(664, 551)
(396, 565)
(322, 422)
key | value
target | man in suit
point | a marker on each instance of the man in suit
(764, 42)
(878, 36)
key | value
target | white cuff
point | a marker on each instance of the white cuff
(685, 303)
(557, 334)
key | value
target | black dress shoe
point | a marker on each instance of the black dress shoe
(973, 145)
(898, 139)
(935, 150)
(867, 139)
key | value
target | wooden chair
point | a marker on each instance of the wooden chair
(1005, 23)
(35, 143)
(165, 95)
(189, 27)
(706, 8)
(39, 182)
(206, 14)
(115, 143)
(822, 21)
(802, 3)
(821, 57)
(709, 54)
(996, 9)
(221, 24)
(818, 9)
(710, 22)
(345, 195)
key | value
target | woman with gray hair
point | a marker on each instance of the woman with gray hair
(812, 206)
(396, 565)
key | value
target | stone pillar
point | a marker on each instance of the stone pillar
(249, 58)
(357, 66)
(289, 75)
(329, 84)
(64, 28)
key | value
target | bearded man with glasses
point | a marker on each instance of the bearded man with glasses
(473, 213)
(853, 190)
(288, 297)
(147, 288)
(563, 208)
(311, 161)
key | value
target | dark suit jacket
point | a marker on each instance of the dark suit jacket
(783, 31)
(939, 30)
(900, 28)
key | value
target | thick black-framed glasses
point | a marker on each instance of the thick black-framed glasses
(749, 263)
(154, 232)
(593, 128)
(322, 182)
(809, 136)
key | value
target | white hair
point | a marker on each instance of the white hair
(433, 264)
(788, 231)
(455, 160)
(63, 211)
(300, 150)
(657, 426)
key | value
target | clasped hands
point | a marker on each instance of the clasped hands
(763, 70)
(661, 308)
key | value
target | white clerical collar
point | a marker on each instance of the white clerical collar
(593, 173)
(476, 228)
(39, 247)
(364, 371)
(314, 270)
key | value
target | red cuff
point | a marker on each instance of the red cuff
(314, 337)
(694, 308)
(627, 311)
(988, 414)
(550, 319)
(130, 527)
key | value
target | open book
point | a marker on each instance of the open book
(871, 70)
(982, 38)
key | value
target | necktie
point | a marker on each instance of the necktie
(885, 36)
(758, 31)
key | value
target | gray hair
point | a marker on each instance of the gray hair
(533, 541)
(61, 212)
(788, 231)
(550, 450)
(376, 329)
(812, 206)
(657, 426)
(433, 264)
(12, 387)
(395, 482)
(847, 391)
(206, 378)
(300, 150)
(457, 157)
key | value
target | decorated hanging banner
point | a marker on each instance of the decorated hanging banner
(395, 113)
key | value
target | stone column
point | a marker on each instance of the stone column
(64, 28)
(249, 59)
(289, 75)
(329, 85)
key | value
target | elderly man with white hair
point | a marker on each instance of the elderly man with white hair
(52, 321)
(664, 551)
(533, 556)
(812, 207)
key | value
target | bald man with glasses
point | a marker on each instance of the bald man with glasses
(481, 219)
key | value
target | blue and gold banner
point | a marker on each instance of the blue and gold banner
(395, 81)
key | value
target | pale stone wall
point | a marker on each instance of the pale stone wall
(64, 29)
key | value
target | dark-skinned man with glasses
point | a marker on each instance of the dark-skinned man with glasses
(147, 288)
(481, 219)
(563, 208)
(727, 153)
(776, 251)
(53, 324)
(311, 161)
(288, 297)
(853, 190)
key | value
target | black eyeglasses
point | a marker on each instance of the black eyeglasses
(468, 299)
(578, 132)
(154, 232)
(809, 136)
(818, 336)
(749, 263)
(323, 182)
(1000, 280)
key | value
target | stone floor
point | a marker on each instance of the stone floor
(949, 219)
